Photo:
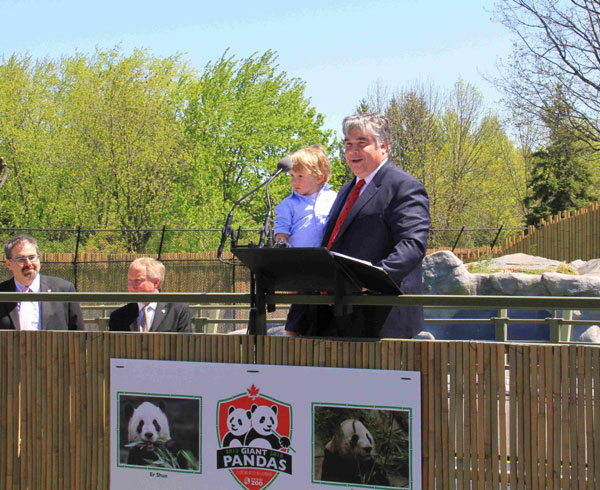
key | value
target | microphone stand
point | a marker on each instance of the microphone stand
(266, 232)
(227, 231)
(284, 165)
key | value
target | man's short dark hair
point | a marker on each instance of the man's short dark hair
(16, 240)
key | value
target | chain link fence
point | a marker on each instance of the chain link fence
(98, 259)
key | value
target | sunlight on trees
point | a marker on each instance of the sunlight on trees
(550, 83)
(242, 117)
(459, 150)
(135, 141)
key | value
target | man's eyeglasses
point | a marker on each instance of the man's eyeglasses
(22, 260)
(136, 282)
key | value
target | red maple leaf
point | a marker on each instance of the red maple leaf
(253, 391)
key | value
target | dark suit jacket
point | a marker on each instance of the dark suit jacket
(168, 317)
(388, 226)
(55, 316)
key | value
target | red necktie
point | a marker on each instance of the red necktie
(349, 203)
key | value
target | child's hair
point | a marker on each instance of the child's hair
(313, 160)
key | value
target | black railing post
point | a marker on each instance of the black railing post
(233, 288)
(75, 274)
(458, 238)
(162, 238)
(496, 237)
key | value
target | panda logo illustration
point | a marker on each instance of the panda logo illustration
(238, 423)
(254, 435)
(263, 432)
(349, 454)
(148, 428)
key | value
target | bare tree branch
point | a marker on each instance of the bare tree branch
(557, 45)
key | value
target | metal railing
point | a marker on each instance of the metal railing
(559, 324)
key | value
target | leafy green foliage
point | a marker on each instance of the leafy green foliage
(124, 141)
(29, 133)
(163, 457)
(135, 141)
(242, 117)
(473, 173)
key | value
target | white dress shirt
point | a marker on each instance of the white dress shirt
(29, 311)
(369, 177)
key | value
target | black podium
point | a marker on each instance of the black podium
(308, 270)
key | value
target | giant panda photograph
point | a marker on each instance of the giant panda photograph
(159, 432)
(361, 446)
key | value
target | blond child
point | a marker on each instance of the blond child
(301, 217)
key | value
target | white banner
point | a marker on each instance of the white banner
(193, 425)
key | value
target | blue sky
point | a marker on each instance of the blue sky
(340, 49)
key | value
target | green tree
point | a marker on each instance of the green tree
(125, 143)
(561, 179)
(29, 133)
(461, 153)
(242, 116)
(417, 135)
(468, 133)
(134, 141)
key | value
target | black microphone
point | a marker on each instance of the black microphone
(283, 165)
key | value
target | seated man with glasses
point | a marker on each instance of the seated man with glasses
(146, 275)
(23, 261)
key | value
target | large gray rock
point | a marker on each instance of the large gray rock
(589, 267)
(568, 285)
(444, 273)
(589, 334)
(522, 261)
(508, 284)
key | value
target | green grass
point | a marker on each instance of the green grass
(485, 267)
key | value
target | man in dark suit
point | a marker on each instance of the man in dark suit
(23, 260)
(146, 275)
(381, 216)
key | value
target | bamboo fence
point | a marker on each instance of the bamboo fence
(495, 415)
(107, 260)
(568, 236)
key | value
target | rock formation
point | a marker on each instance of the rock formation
(444, 273)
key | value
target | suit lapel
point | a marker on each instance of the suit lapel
(13, 314)
(368, 194)
(336, 210)
(159, 315)
(45, 308)
(14, 317)
(134, 326)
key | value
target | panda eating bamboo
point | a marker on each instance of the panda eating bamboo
(349, 456)
(147, 430)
